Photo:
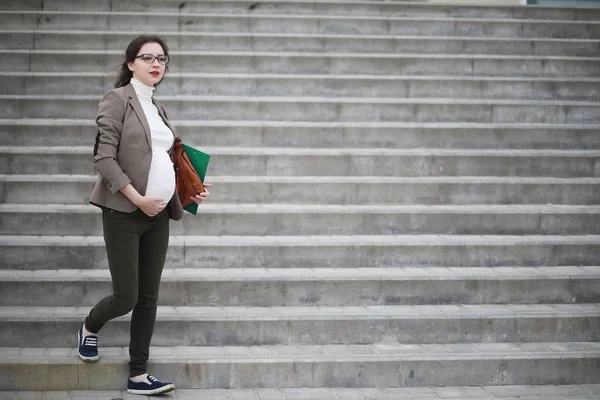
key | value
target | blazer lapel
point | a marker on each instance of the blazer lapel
(162, 114)
(137, 107)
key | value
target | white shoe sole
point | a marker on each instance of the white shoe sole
(164, 389)
(89, 359)
(84, 358)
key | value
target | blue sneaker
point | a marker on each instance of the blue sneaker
(88, 347)
(149, 387)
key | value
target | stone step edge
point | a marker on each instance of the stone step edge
(185, 14)
(320, 241)
(332, 151)
(325, 274)
(251, 208)
(302, 35)
(318, 99)
(403, 56)
(350, 77)
(318, 353)
(508, 392)
(395, 3)
(310, 124)
(516, 180)
(35, 314)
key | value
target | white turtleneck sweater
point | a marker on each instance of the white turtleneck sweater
(161, 178)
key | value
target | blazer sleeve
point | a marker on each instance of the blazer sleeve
(111, 113)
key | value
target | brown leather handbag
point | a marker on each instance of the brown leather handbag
(188, 183)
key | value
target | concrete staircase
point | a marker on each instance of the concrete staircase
(405, 195)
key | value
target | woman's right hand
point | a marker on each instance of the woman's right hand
(151, 205)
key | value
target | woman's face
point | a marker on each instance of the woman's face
(149, 74)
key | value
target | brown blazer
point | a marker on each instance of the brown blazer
(123, 151)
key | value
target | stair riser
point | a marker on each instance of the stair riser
(315, 293)
(336, 193)
(502, 370)
(342, 165)
(308, 25)
(273, 110)
(324, 136)
(310, 8)
(306, 64)
(185, 332)
(100, 41)
(397, 88)
(280, 256)
(90, 224)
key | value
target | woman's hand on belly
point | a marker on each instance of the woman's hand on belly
(151, 205)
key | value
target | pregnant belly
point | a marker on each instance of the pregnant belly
(161, 178)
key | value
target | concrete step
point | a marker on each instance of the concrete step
(56, 132)
(356, 251)
(226, 41)
(291, 162)
(299, 219)
(299, 287)
(318, 7)
(379, 365)
(177, 84)
(325, 109)
(308, 63)
(259, 326)
(287, 23)
(75, 189)
(523, 392)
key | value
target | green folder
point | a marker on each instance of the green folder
(200, 162)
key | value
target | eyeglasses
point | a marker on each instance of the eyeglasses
(149, 58)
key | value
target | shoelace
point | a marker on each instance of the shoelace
(152, 379)
(90, 341)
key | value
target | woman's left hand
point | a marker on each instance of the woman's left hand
(198, 199)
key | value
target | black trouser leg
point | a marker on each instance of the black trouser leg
(136, 246)
(152, 254)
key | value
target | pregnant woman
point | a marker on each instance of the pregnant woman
(136, 192)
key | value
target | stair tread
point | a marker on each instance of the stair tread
(318, 353)
(508, 392)
(352, 77)
(321, 240)
(387, 3)
(327, 208)
(303, 151)
(185, 14)
(299, 313)
(258, 123)
(334, 179)
(396, 55)
(316, 99)
(318, 274)
(302, 35)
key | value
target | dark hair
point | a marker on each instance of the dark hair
(134, 46)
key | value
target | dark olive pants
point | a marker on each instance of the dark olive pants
(136, 246)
